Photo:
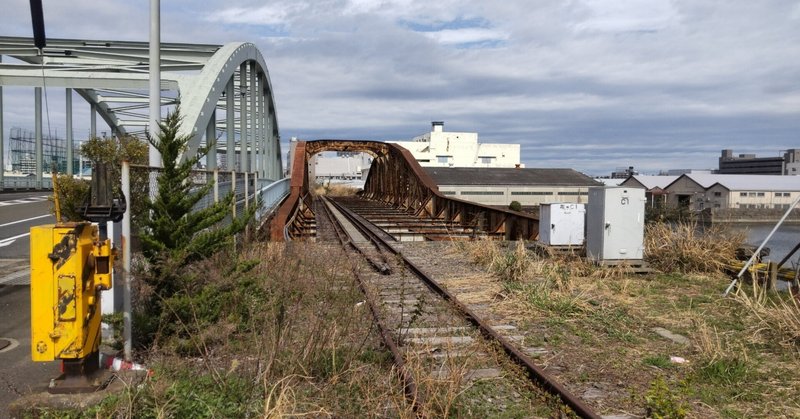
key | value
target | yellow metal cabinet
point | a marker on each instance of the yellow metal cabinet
(69, 266)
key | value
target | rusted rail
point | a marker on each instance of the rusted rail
(533, 371)
(409, 385)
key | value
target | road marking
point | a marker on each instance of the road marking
(8, 241)
(27, 219)
(21, 201)
(20, 277)
(12, 343)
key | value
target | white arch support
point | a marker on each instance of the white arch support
(112, 76)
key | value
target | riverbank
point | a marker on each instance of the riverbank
(748, 215)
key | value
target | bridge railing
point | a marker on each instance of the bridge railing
(247, 188)
(270, 194)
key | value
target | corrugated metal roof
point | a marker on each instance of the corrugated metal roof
(609, 181)
(749, 182)
(650, 182)
(509, 176)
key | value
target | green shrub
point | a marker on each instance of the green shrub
(662, 402)
(515, 206)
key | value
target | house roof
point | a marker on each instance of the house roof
(652, 182)
(747, 182)
(509, 176)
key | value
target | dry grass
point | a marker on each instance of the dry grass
(274, 331)
(598, 331)
(684, 247)
(778, 315)
(334, 189)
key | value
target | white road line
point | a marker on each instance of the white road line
(21, 201)
(6, 242)
(15, 276)
(27, 219)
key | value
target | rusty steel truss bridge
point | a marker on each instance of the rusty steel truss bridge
(396, 180)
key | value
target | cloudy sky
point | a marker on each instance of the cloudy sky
(587, 84)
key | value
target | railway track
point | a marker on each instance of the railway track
(440, 346)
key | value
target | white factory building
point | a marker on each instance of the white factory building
(339, 167)
(440, 148)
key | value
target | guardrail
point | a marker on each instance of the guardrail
(271, 193)
(24, 183)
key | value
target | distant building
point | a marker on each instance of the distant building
(791, 162)
(341, 166)
(698, 191)
(500, 186)
(654, 187)
(678, 172)
(623, 173)
(440, 148)
(749, 164)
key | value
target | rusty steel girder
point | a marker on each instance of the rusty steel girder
(396, 178)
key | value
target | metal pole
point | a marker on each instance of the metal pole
(2, 138)
(211, 141)
(70, 138)
(230, 129)
(252, 116)
(261, 129)
(243, 158)
(758, 251)
(126, 262)
(92, 120)
(216, 185)
(267, 135)
(233, 191)
(246, 190)
(38, 132)
(154, 157)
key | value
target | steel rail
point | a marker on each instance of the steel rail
(534, 372)
(409, 384)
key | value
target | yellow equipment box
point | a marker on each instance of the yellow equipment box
(69, 267)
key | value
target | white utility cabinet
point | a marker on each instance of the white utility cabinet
(615, 224)
(561, 224)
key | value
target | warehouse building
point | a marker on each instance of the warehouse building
(702, 191)
(501, 186)
(654, 187)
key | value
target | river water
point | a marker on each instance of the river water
(784, 240)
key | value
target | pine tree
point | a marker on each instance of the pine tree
(174, 234)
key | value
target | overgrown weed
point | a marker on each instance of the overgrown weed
(272, 331)
(688, 248)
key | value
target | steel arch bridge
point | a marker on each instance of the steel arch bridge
(224, 92)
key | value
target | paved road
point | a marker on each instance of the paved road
(18, 374)
(18, 212)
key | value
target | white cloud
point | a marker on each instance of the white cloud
(627, 15)
(271, 14)
(591, 76)
(467, 36)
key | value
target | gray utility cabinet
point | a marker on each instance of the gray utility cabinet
(615, 224)
(561, 224)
